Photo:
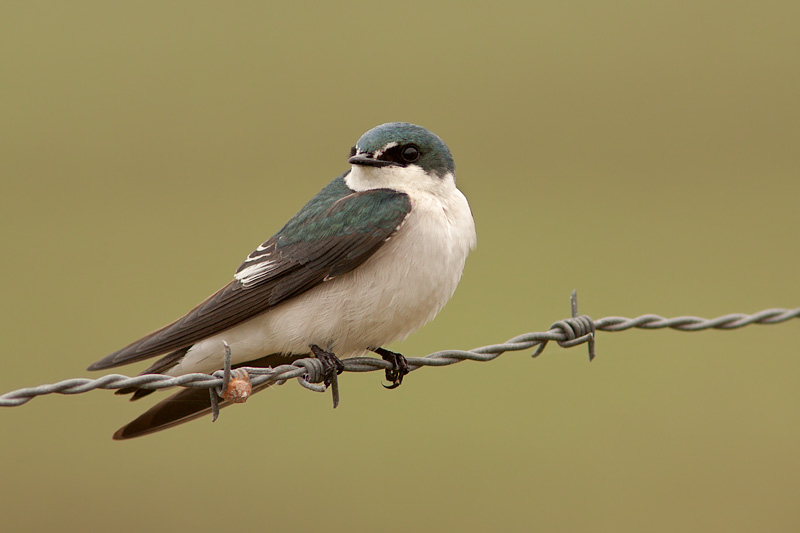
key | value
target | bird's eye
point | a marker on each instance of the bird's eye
(410, 153)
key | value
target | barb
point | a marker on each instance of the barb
(567, 333)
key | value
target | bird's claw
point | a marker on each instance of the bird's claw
(332, 365)
(399, 368)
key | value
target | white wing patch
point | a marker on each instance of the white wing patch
(254, 273)
(258, 252)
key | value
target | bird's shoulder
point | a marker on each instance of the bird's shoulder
(337, 214)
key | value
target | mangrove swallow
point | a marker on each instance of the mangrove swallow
(372, 257)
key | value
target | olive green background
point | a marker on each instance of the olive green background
(644, 153)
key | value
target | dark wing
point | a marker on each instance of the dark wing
(188, 404)
(333, 234)
(183, 406)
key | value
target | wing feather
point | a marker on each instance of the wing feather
(333, 234)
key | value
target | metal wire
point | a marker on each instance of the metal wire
(567, 333)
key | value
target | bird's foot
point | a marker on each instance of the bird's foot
(333, 365)
(399, 367)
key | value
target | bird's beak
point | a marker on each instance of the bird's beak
(368, 161)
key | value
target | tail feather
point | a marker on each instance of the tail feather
(159, 367)
(184, 406)
(189, 404)
(181, 407)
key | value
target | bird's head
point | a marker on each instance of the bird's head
(399, 153)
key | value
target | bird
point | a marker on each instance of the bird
(368, 260)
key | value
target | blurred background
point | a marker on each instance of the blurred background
(644, 153)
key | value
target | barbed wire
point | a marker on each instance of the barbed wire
(310, 372)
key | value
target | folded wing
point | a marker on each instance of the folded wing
(334, 233)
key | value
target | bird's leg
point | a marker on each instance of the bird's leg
(399, 367)
(333, 365)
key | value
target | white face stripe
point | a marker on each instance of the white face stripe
(378, 153)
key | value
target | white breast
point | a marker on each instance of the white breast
(400, 288)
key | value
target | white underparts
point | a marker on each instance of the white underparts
(400, 288)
